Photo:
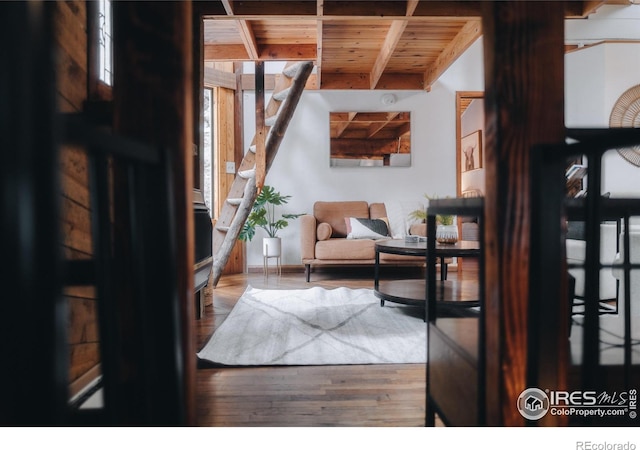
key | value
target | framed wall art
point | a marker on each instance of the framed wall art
(471, 149)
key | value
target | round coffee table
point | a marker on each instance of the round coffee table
(408, 292)
(413, 291)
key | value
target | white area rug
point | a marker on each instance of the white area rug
(317, 326)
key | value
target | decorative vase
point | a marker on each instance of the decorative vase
(447, 234)
(271, 246)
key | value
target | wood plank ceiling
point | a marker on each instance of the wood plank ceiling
(355, 44)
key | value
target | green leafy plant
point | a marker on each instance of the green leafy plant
(421, 214)
(263, 215)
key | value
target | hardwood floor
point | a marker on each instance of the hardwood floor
(385, 395)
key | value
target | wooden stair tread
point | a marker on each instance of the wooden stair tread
(246, 174)
(291, 70)
(281, 95)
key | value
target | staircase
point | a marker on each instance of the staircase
(241, 196)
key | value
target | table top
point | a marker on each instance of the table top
(401, 247)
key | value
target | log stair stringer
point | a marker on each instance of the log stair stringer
(237, 206)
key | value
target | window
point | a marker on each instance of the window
(99, 50)
(105, 49)
(208, 149)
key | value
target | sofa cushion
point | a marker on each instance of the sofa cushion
(341, 248)
(366, 228)
(324, 231)
(400, 214)
(334, 213)
(377, 211)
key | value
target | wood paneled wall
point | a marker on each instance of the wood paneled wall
(71, 40)
(224, 138)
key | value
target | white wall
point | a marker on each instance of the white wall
(595, 79)
(301, 168)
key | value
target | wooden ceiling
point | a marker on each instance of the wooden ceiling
(357, 44)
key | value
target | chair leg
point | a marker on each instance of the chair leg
(307, 271)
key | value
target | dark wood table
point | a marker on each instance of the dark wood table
(413, 291)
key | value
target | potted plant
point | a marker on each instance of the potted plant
(263, 215)
(446, 231)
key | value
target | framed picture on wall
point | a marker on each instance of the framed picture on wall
(471, 148)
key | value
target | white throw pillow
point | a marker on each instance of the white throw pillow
(366, 228)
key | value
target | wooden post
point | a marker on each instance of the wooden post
(198, 97)
(261, 158)
(33, 313)
(153, 96)
(524, 106)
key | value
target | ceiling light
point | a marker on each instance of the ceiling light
(388, 99)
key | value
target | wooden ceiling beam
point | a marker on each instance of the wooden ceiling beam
(248, 38)
(361, 81)
(364, 9)
(305, 9)
(245, 30)
(227, 52)
(388, 47)
(390, 43)
(272, 52)
(463, 8)
(580, 10)
(209, 8)
(463, 40)
(247, 82)
(367, 10)
(283, 52)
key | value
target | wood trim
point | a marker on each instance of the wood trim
(319, 43)
(214, 77)
(576, 48)
(84, 380)
(459, 96)
(198, 101)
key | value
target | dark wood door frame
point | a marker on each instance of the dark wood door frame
(524, 107)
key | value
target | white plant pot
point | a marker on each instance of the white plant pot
(271, 246)
(447, 234)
